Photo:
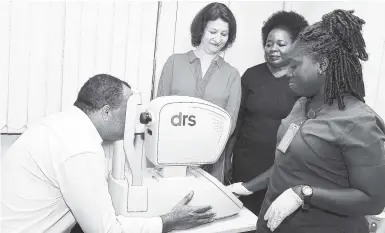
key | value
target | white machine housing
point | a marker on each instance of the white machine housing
(185, 131)
(377, 223)
(180, 134)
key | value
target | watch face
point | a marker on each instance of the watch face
(307, 191)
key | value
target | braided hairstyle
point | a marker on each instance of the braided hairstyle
(338, 37)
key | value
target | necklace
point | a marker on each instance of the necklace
(311, 114)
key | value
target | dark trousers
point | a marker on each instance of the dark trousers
(254, 201)
(250, 160)
(77, 229)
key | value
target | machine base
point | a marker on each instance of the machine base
(164, 193)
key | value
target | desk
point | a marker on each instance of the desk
(244, 221)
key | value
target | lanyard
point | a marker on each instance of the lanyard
(294, 128)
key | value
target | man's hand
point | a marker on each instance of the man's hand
(238, 189)
(183, 216)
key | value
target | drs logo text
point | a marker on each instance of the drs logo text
(182, 120)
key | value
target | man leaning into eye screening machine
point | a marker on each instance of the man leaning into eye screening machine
(54, 175)
(55, 172)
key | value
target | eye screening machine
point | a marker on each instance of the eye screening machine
(377, 223)
(164, 146)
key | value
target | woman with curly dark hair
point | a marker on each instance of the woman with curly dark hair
(202, 73)
(266, 100)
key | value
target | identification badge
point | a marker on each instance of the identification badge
(288, 137)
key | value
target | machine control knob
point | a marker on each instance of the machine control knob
(145, 118)
(373, 227)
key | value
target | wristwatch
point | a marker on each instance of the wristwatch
(307, 192)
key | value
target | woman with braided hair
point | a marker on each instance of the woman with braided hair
(330, 158)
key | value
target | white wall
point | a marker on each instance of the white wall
(50, 48)
(6, 141)
(247, 51)
(176, 17)
(374, 34)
